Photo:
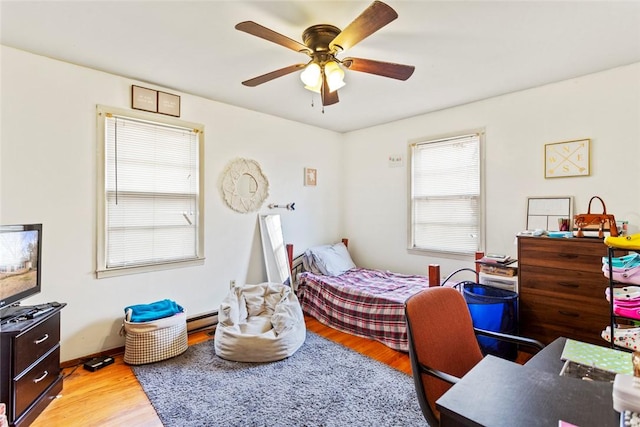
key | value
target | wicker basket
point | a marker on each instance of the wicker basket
(148, 342)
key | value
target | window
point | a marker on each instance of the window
(445, 195)
(150, 212)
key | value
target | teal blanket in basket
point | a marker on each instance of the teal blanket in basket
(155, 310)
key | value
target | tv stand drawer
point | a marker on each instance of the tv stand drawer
(36, 380)
(35, 342)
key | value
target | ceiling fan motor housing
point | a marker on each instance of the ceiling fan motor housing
(318, 37)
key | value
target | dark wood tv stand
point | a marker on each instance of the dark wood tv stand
(30, 375)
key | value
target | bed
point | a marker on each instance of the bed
(363, 302)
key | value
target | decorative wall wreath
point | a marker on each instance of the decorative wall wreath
(244, 186)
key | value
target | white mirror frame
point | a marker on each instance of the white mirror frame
(232, 174)
(274, 249)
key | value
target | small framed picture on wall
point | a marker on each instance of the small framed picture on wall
(310, 177)
(168, 104)
(144, 99)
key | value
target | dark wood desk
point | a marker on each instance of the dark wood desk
(498, 393)
(548, 360)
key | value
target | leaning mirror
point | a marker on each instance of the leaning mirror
(244, 186)
(275, 252)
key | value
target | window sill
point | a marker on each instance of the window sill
(122, 271)
(442, 254)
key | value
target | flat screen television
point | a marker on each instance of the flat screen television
(20, 265)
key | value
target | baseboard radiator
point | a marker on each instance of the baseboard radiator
(202, 321)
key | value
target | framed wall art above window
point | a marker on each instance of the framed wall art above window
(144, 99)
(168, 104)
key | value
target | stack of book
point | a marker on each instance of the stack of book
(499, 265)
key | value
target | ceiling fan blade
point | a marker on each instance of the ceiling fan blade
(328, 98)
(386, 69)
(270, 35)
(376, 16)
(272, 75)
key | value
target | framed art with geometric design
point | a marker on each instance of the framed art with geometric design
(569, 158)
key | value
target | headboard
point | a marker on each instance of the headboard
(295, 264)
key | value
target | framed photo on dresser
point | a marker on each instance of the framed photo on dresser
(549, 213)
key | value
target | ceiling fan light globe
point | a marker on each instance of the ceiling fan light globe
(311, 76)
(335, 76)
(332, 67)
(315, 88)
(333, 86)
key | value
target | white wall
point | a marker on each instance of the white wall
(604, 107)
(48, 175)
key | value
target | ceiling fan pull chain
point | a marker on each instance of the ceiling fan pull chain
(322, 89)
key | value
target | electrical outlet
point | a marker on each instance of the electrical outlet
(232, 283)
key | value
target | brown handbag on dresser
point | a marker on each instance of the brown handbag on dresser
(600, 222)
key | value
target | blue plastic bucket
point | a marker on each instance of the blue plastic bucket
(493, 309)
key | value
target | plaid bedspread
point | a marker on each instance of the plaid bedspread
(363, 302)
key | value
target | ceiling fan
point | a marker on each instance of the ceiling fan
(322, 43)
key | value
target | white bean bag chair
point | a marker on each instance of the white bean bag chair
(259, 323)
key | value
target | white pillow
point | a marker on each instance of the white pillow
(332, 260)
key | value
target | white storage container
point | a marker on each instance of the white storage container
(626, 393)
(502, 282)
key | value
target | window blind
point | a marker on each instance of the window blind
(151, 192)
(445, 194)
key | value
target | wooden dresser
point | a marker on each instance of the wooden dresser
(562, 288)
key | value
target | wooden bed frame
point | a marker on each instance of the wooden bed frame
(341, 302)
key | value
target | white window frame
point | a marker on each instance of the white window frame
(480, 219)
(102, 270)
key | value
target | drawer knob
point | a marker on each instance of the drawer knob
(43, 339)
(568, 256)
(568, 313)
(569, 285)
(43, 376)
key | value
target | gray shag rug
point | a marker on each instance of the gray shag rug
(322, 384)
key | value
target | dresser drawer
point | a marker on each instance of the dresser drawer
(34, 343)
(538, 312)
(548, 332)
(36, 380)
(567, 254)
(576, 285)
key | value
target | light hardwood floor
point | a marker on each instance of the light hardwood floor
(112, 396)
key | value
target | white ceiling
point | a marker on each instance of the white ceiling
(463, 51)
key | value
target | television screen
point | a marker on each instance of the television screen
(20, 249)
